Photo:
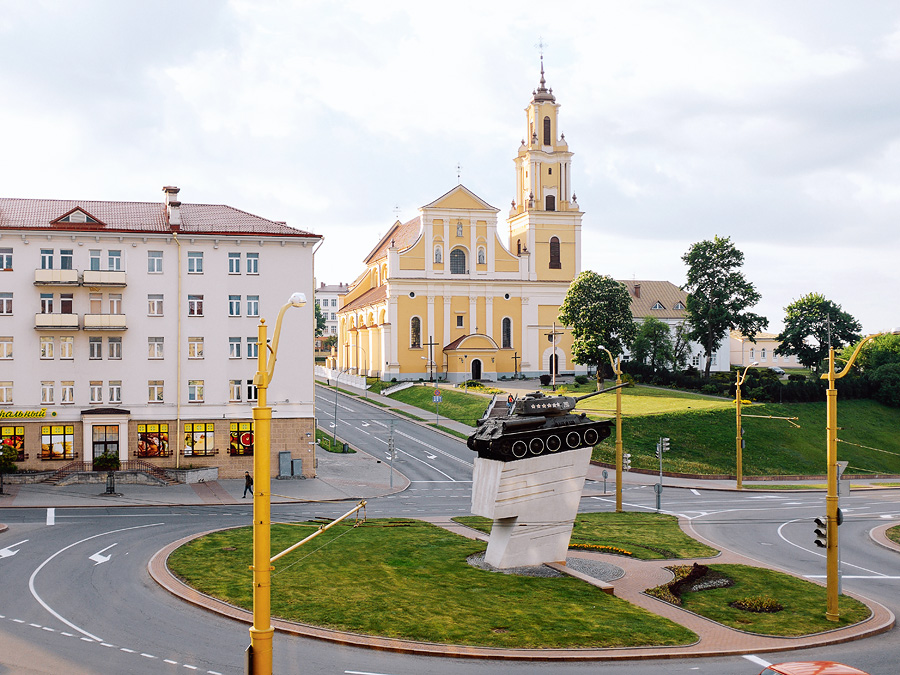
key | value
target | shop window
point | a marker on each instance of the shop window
(58, 442)
(14, 437)
(153, 440)
(199, 439)
(241, 438)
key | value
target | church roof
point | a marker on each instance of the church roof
(403, 235)
(460, 197)
(370, 297)
(658, 299)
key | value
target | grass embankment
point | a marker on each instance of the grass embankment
(647, 536)
(802, 602)
(409, 579)
(456, 405)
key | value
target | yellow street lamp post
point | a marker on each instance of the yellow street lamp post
(617, 369)
(260, 656)
(739, 443)
(831, 500)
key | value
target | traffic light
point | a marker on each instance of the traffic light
(657, 450)
(665, 444)
(821, 532)
(626, 461)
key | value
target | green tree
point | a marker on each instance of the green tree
(681, 346)
(809, 323)
(877, 352)
(320, 321)
(719, 295)
(653, 343)
(598, 309)
(8, 456)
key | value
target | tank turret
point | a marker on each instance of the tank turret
(535, 425)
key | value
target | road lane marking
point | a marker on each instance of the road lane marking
(696, 492)
(51, 516)
(758, 661)
(8, 552)
(88, 636)
(99, 558)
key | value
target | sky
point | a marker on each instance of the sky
(775, 124)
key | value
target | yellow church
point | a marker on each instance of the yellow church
(445, 296)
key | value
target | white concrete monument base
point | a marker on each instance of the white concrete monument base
(533, 503)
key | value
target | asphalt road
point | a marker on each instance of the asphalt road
(76, 596)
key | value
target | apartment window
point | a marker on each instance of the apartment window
(115, 391)
(154, 262)
(47, 393)
(46, 303)
(6, 347)
(195, 391)
(96, 303)
(252, 305)
(46, 258)
(155, 305)
(153, 440)
(96, 391)
(253, 263)
(195, 347)
(252, 348)
(46, 347)
(762, 354)
(115, 303)
(65, 303)
(5, 258)
(114, 261)
(66, 258)
(6, 392)
(155, 347)
(333, 330)
(234, 263)
(155, 391)
(234, 348)
(195, 305)
(66, 347)
(95, 260)
(506, 332)
(334, 302)
(555, 262)
(195, 262)
(115, 348)
(234, 390)
(234, 305)
(333, 316)
(199, 439)
(6, 303)
(241, 438)
(95, 348)
(14, 437)
(252, 391)
(67, 392)
(58, 442)
(415, 332)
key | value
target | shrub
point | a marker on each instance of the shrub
(759, 604)
(106, 462)
(545, 379)
(581, 379)
(796, 377)
(709, 389)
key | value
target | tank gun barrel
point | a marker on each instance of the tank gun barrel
(602, 391)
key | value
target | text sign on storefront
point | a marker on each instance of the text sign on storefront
(19, 414)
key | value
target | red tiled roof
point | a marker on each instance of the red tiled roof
(665, 293)
(370, 297)
(37, 214)
(404, 236)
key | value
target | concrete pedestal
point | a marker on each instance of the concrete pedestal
(533, 503)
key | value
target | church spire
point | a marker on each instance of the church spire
(542, 93)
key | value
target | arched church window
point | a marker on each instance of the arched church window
(547, 137)
(550, 203)
(506, 331)
(481, 256)
(555, 262)
(415, 332)
(438, 256)
(518, 246)
(457, 261)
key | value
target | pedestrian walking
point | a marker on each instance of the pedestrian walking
(248, 484)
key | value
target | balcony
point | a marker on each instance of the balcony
(98, 278)
(56, 277)
(105, 322)
(56, 321)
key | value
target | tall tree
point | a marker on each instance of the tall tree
(681, 347)
(719, 295)
(810, 323)
(653, 343)
(320, 321)
(598, 309)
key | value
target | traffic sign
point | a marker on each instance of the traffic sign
(437, 399)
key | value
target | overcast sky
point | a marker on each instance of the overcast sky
(774, 123)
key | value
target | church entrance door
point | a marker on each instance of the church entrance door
(476, 369)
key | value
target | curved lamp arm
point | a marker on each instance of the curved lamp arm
(297, 300)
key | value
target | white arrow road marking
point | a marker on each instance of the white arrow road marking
(365, 424)
(430, 456)
(8, 552)
(34, 574)
(98, 557)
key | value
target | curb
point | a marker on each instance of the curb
(881, 620)
(877, 534)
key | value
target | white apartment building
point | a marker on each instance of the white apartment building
(328, 297)
(131, 328)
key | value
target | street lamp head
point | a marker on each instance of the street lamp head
(298, 299)
(755, 363)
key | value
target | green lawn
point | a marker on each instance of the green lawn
(893, 533)
(456, 405)
(647, 536)
(409, 579)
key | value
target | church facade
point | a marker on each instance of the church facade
(446, 296)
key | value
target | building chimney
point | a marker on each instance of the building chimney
(323, 285)
(637, 290)
(173, 207)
